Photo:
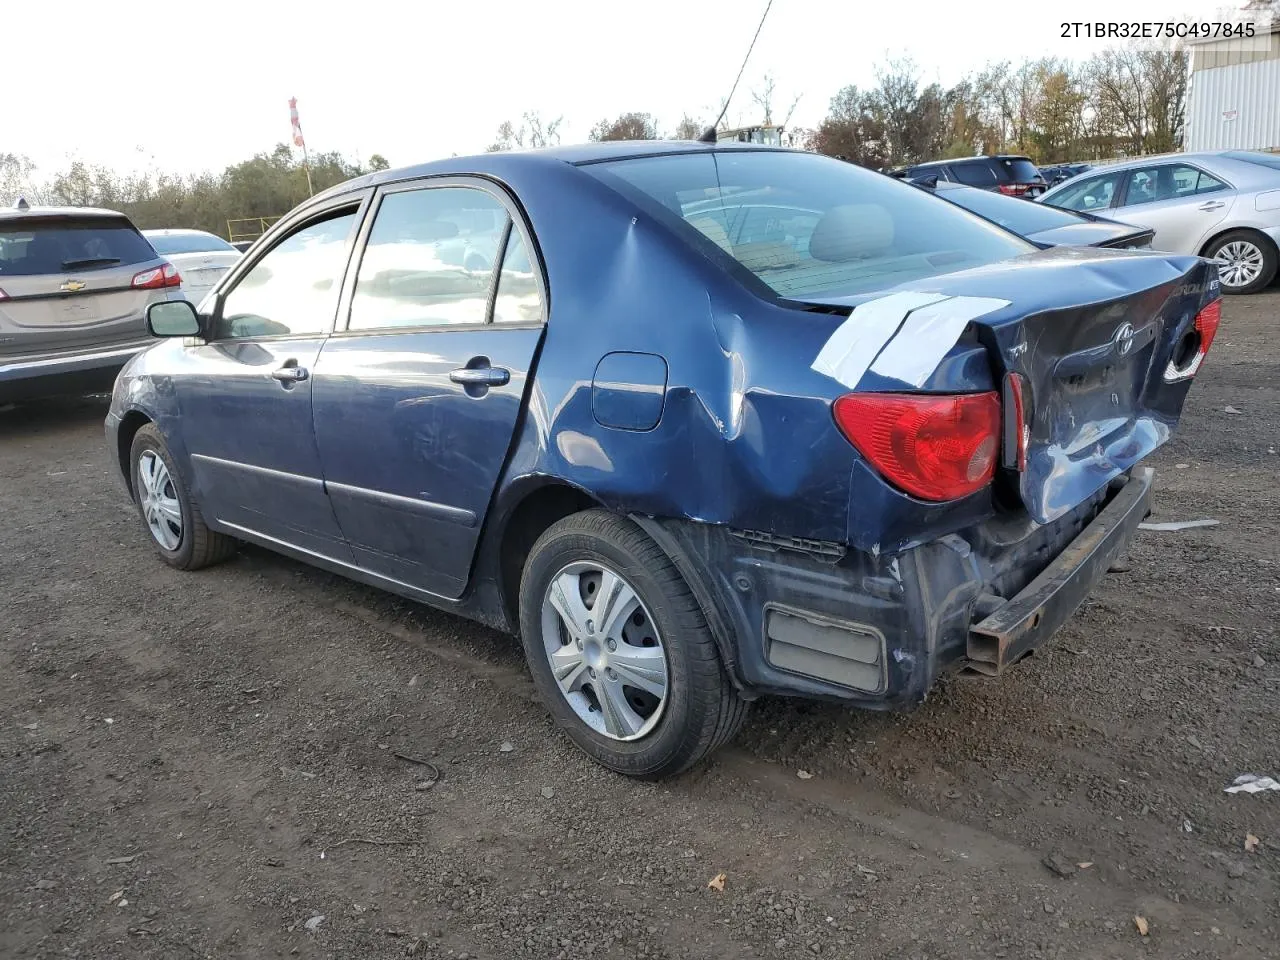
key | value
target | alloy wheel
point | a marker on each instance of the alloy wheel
(1239, 263)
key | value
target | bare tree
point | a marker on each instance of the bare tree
(687, 129)
(534, 132)
(17, 179)
(764, 99)
(626, 126)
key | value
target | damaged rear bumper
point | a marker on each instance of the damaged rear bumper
(797, 618)
(1039, 609)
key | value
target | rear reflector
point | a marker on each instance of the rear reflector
(1186, 361)
(935, 447)
(157, 278)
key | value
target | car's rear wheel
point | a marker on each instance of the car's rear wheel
(1246, 261)
(172, 519)
(620, 650)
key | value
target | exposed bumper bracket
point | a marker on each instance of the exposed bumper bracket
(1028, 619)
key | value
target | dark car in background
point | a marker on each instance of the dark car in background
(828, 436)
(1012, 175)
(1062, 172)
(75, 284)
(1043, 225)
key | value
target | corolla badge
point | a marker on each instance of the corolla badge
(1123, 339)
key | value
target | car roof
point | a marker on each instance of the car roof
(177, 232)
(1242, 173)
(984, 156)
(14, 213)
(574, 154)
(1203, 156)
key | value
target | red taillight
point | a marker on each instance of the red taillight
(1014, 189)
(933, 447)
(1184, 364)
(1207, 321)
(3, 295)
(157, 278)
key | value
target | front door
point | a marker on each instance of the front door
(417, 400)
(246, 394)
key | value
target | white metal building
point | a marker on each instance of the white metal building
(1233, 102)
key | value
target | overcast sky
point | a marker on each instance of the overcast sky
(186, 86)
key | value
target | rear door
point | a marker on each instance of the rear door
(67, 284)
(1181, 203)
(246, 393)
(417, 399)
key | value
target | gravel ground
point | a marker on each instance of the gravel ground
(229, 763)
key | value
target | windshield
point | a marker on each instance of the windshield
(1020, 216)
(171, 243)
(31, 246)
(1261, 159)
(808, 225)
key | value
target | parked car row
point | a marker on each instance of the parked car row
(74, 287)
(698, 422)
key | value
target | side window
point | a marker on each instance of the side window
(1208, 184)
(294, 288)
(1144, 185)
(517, 300)
(429, 260)
(974, 173)
(1092, 193)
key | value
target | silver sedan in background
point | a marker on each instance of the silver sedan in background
(1223, 205)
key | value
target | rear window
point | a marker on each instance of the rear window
(1017, 169)
(1261, 159)
(807, 225)
(30, 247)
(173, 243)
(974, 173)
(1020, 216)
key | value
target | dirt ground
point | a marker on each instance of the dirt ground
(199, 765)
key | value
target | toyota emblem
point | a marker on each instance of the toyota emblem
(1123, 339)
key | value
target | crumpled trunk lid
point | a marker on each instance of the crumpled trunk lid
(1098, 340)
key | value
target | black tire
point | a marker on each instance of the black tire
(702, 711)
(1270, 258)
(198, 546)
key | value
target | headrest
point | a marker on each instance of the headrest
(852, 232)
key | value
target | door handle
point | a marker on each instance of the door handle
(481, 376)
(1211, 205)
(289, 374)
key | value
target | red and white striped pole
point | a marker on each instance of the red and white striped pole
(298, 141)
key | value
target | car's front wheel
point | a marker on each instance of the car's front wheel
(1247, 262)
(620, 651)
(171, 517)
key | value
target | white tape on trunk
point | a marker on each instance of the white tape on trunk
(927, 335)
(851, 349)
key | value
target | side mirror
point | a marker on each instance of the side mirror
(173, 318)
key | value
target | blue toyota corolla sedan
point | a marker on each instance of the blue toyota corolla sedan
(698, 423)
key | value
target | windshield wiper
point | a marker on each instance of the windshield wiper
(89, 262)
